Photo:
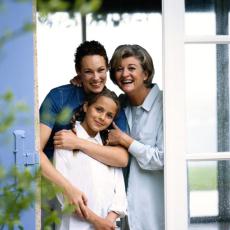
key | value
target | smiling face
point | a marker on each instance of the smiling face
(130, 76)
(99, 115)
(93, 73)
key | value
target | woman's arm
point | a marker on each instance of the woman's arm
(100, 223)
(148, 157)
(74, 195)
(116, 156)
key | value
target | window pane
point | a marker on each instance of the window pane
(58, 36)
(144, 29)
(209, 194)
(207, 17)
(203, 194)
(207, 98)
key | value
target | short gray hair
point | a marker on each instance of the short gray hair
(125, 51)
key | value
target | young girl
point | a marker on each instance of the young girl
(102, 185)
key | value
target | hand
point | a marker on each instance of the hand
(65, 139)
(76, 81)
(112, 216)
(77, 198)
(117, 137)
(103, 224)
(114, 136)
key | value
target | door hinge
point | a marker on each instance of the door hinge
(31, 158)
(23, 157)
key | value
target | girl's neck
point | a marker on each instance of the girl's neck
(89, 132)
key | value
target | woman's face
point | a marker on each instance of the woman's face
(93, 73)
(130, 75)
(99, 115)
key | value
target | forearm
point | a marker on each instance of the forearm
(148, 157)
(92, 216)
(125, 140)
(115, 156)
(99, 222)
(53, 175)
(112, 216)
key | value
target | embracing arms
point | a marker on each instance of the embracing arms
(116, 156)
(149, 157)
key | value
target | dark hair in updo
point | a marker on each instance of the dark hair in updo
(89, 48)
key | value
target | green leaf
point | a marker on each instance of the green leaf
(22, 107)
(28, 27)
(5, 37)
(8, 96)
(20, 227)
(64, 116)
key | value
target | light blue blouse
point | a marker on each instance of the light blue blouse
(146, 178)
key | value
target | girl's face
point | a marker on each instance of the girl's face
(130, 75)
(99, 115)
(93, 73)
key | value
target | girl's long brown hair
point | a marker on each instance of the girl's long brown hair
(90, 99)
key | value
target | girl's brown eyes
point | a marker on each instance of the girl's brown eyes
(99, 109)
(110, 116)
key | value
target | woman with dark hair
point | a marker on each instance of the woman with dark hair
(131, 68)
(91, 64)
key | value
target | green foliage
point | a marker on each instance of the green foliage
(71, 6)
(1, 6)
(28, 27)
(17, 188)
(64, 116)
(21, 1)
(9, 108)
(16, 195)
(203, 178)
(85, 7)
(7, 34)
(49, 192)
(52, 6)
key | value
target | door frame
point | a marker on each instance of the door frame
(176, 158)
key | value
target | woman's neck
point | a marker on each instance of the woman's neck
(138, 98)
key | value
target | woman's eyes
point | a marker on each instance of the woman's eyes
(101, 70)
(88, 72)
(119, 69)
(131, 69)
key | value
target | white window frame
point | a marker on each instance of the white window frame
(173, 41)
